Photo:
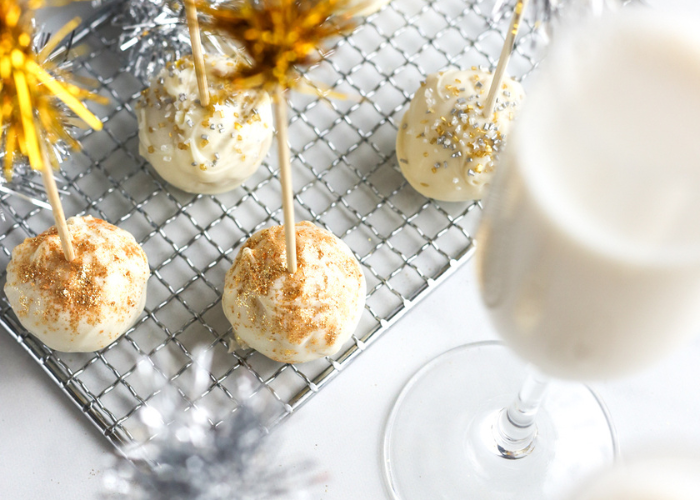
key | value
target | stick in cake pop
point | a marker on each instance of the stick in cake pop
(279, 37)
(30, 110)
(545, 12)
(197, 52)
(506, 51)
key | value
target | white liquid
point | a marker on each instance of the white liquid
(589, 253)
(653, 479)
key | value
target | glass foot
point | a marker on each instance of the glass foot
(438, 442)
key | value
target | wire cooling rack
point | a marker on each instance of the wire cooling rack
(346, 179)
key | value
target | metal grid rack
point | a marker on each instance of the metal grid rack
(346, 179)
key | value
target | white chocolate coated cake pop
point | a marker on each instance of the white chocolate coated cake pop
(85, 304)
(294, 318)
(447, 150)
(203, 150)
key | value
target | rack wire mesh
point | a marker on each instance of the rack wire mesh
(346, 179)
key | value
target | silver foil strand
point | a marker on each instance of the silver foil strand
(154, 33)
(188, 459)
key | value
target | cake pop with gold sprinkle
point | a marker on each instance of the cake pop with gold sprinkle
(294, 318)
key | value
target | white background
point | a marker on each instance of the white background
(48, 449)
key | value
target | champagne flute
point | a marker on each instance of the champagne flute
(588, 260)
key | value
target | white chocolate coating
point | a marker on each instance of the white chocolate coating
(294, 318)
(203, 150)
(446, 149)
(86, 304)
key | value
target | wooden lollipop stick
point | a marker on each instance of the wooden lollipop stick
(507, 50)
(55, 201)
(286, 179)
(197, 52)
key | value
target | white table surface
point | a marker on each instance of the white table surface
(48, 449)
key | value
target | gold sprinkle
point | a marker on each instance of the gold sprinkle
(151, 149)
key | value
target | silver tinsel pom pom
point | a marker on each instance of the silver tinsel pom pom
(154, 33)
(544, 14)
(27, 184)
(188, 459)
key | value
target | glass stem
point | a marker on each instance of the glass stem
(515, 429)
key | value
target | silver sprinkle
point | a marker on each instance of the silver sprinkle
(183, 97)
(205, 136)
(457, 154)
(217, 155)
